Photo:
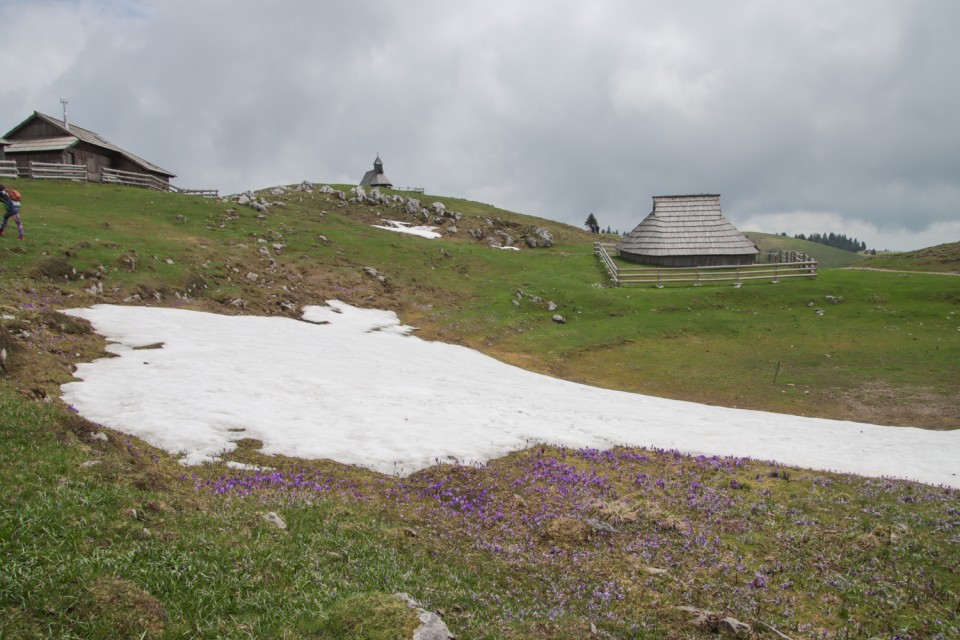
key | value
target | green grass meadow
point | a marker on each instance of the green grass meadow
(103, 536)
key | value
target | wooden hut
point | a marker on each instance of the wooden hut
(687, 231)
(3, 147)
(376, 177)
(41, 138)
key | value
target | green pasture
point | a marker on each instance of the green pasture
(102, 536)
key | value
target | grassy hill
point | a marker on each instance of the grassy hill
(943, 258)
(104, 537)
(827, 257)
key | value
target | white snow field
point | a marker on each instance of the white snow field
(405, 227)
(350, 385)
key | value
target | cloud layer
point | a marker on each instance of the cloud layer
(800, 114)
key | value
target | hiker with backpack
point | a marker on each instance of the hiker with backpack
(11, 203)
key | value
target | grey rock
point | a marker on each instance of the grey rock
(544, 237)
(734, 627)
(559, 319)
(275, 520)
(600, 525)
(432, 627)
(412, 206)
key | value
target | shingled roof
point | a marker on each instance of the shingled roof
(376, 177)
(71, 136)
(687, 230)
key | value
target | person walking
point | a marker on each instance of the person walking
(11, 203)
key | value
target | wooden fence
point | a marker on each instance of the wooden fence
(131, 179)
(147, 181)
(8, 169)
(801, 265)
(51, 171)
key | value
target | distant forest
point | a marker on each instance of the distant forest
(838, 240)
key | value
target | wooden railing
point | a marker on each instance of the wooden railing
(203, 193)
(52, 171)
(661, 276)
(131, 179)
(8, 169)
(147, 181)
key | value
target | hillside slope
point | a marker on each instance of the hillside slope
(827, 257)
(105, 537)
(942, 258)
(720, 345)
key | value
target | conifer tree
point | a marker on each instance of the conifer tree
(592, 224)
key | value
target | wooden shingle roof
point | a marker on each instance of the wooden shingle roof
(376, 177)
(690, 225)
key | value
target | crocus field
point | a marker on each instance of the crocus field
(624, 536)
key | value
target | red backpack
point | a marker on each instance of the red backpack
(14, 194)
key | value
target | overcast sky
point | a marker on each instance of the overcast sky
(807, 116)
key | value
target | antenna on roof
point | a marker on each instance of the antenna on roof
(66, 124)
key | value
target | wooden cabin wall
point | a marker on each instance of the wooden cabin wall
(23, 160)
(90, 156)
(689, 261)
(37, 128)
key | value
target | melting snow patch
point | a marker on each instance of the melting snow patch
(359, 390)
(404, 227)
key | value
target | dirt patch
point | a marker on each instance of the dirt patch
(125, 609)
(881, 403)
(568, 531)
(56, 269)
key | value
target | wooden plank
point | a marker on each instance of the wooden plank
(8, 169)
